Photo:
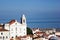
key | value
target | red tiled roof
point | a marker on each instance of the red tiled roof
(11, 39)
(58, 35)
(1, 25)
(30, 35)
(23, 36)
(2, 29)
(11, 22)
(39, 32)
(46, 34)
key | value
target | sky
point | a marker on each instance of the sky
(46, 11)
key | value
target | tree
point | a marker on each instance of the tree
(29, 31)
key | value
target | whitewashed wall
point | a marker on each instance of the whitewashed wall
(5, 35)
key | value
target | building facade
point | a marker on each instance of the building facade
(17, 29)
(4, 34)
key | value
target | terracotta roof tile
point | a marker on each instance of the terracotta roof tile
(23, 36)
(11, 22)
(2, 29)
(1, 25)
(39, 32)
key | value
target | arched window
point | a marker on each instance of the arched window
(16, 28)
(3, 37)
(23, 20)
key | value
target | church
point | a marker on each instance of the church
(16, 28)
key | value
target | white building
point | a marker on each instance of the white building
(28, 37)
(16, 28)
(36, 30)
(4, 34)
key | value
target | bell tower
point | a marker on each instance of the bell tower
(23, 19)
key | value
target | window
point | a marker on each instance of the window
(24, 32)
(24, 21)
(0, 37)
(20, 29)
(12, 37)
(1, 33)
(3, 37)
(24, 29)
(16, 29)
(11, 29)
(16, 35)
(6, 37)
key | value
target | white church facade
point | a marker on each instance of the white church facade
(17, 29)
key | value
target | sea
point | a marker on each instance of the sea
(43, 24)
